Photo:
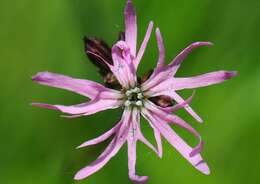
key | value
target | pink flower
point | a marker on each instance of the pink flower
(135, 97)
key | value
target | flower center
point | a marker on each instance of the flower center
(134, 97)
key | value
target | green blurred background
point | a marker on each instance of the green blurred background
(38, 146)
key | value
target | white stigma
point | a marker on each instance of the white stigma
(139, 103)
(128, 93)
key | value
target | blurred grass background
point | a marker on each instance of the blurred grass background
(37, 146)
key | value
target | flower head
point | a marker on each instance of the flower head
(151, 97)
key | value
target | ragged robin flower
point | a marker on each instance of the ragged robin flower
(151, 96)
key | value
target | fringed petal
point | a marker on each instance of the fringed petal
(177, 61)
(109, 152)
(178, 143)
(134, 135)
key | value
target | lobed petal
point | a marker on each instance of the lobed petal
(173, 119)
(176, 62)
(109, 152)
(162, 74)
(179, 144)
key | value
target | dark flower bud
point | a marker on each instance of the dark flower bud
(162, 101)
(97, 51)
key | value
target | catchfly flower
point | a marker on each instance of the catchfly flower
(151, 96)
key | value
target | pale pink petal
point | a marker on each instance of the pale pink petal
(131, 142)
(161, 59)
(101, 138)
(179, 144)
(88, 108)
(131, 27)
(158, 140)
(86, 88)
(157, 78)
(176, 62)
(161, 48)
(143, 46)
(123, 67)
(109, 152)
(202, 80)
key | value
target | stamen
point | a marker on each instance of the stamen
(128, 93)
(134, 97)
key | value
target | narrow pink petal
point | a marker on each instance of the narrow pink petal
(158, 140)
(158, 77)
(143, 45)
(86, 88)
(137, 130)
(179, 144)
(101, 138)
(171, 118)
(162, 75)
(131, 27)
(176, 62)
(161, 48)
(89, 108)
(131, 142)
(123, 67)
(132, 161)
(179, 100)
(181, 123)
(202, 80)
(109, 152)
(187, 107)
(182, 105)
